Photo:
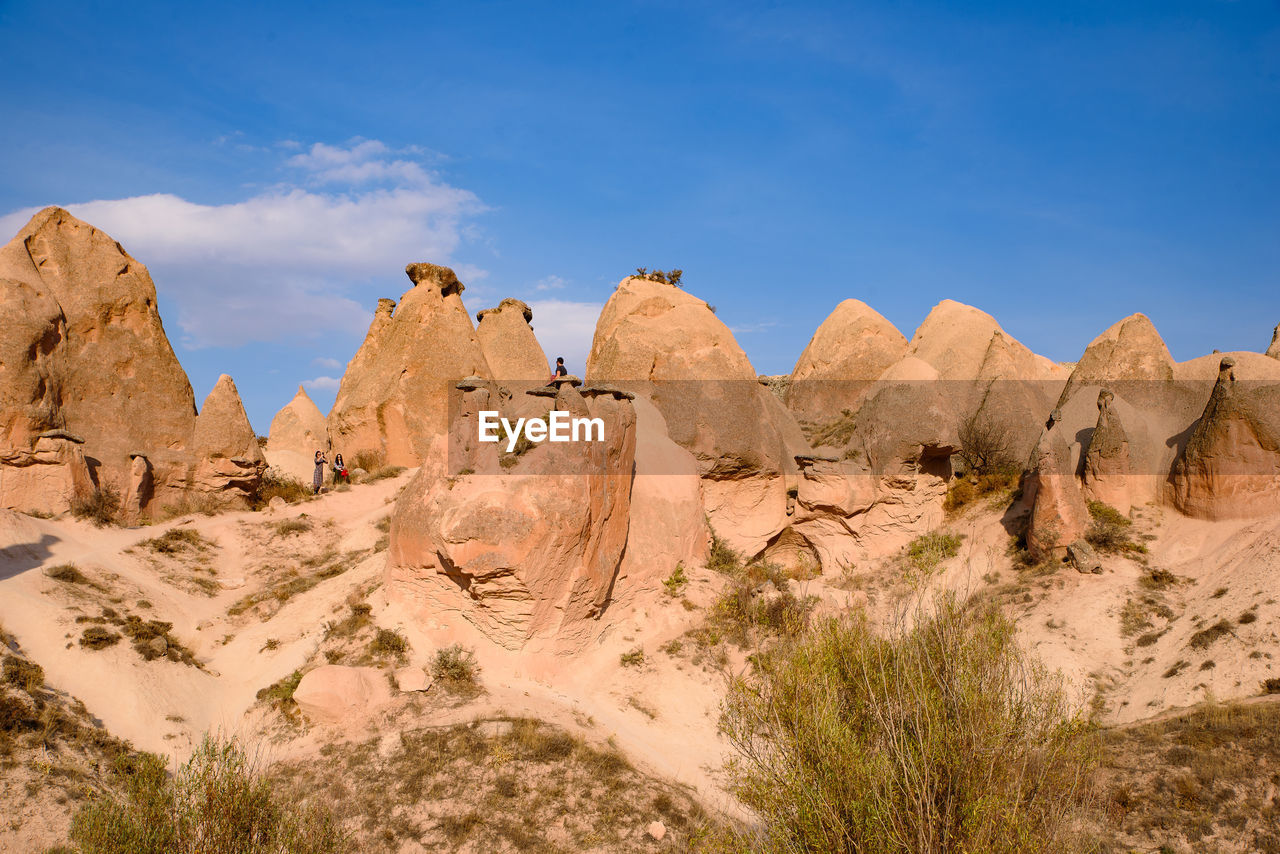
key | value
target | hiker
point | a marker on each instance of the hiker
(317, 480)
(560, 371)
(340, 470)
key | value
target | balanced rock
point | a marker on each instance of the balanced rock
(393, 399)
(510, 347)
(1107, 474)
(848, 352)
(297, 432)
(1230, 467)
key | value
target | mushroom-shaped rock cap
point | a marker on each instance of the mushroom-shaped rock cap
(442, 277)
(62, 434)
(618, 394)
(385, 306)
(568, 378)
(1227, 363)
(471, 383)
(542, 391)
(1104, 398)
(137, 455)
(509, 302)
(806, 460)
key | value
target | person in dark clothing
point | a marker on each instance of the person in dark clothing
(340, 470)
(317, 480)
(560, 371)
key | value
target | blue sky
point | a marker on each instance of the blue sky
(1058, 165)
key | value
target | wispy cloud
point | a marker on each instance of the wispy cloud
(326, 383)
(550, 283)
(325, 362)
(296, 258)
(752, 328)
(565, 329)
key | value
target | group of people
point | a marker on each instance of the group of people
(340, 468)
(339, 471)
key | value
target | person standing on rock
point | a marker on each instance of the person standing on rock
(317, 480)
(560, 371)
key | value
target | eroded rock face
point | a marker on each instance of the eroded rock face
(849, 351)
(297, 432)
(666, 345)
(333, 693)
(393, 399)
(528, 554)
(1230, 467)
(1274, 350)
(230, 462)
(1059, 515)
(510, 347)
(1107, 474)
(47, 477)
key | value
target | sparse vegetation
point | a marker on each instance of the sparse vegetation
(1205, 638)
(676, 581)
(634, 658)
(101, 506)
(1110, 530)
(389, 644)
(281, 691)
(67, 573)
(667, 278)
(177, 541)
(25, 674)
(926, 552)
(275, 485)
(850, 741)
(97, 637)
(456, 667)
(217, 802)
(296, 525)
(382, 473)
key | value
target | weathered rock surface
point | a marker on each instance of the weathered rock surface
(46, 477)
(666, 345)
(1230, 467)
(1059, 514)
(848, 352)
(297, 431)
(333, 693)
(230, 460)
(393, 399)
(510, 347)
(1107, 474)
(1274, 350)
(529, 554)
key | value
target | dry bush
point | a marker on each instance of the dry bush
(667, 278)
(217, 802)
(101, 506)
(369, 460)
(937, 738)
(177, 541)
(381, 473)
(293, 526)
(1110, 530)
(389, 644)
(275, 485)
(456, 666)
(925, 553)
(986, 446)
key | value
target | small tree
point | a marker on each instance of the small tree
(985, 445)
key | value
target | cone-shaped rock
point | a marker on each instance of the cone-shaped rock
(230, 460)
(1107, 472)
(1059, 515)
(509, 345)
(297, 432)
(393, 400)
(1274, 350)
(1130, 358)
(850, 350)
(1230, 467)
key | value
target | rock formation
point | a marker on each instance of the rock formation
(46, 476)
(510, 347)
(1059, 515)
(85, 351)
(230, 462)
(848, 352)
(394, 395)
(666, 345)
(297, 431)
(528, 554)
(1230, 467)
(1274, 350)
(1107, 473)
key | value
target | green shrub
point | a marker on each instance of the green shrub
(1110, 530)
(217, 802)
(455, 664)
(389, 644)
(635, 658)
(723, 558)
(676, 581)
(926, 552)
(933, 739)
(101, 506)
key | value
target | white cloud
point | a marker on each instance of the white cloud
(750, 328)
(293, 258)
(325, 362)
(326, 383)
(550, 283)
(565, 329)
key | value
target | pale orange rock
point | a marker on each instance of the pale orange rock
(532, 553)
(298, 430)
(1274, 350)
(848, 352)
(1107, 474)
(333, 693)
(1230, 467)
(510, 347)
(393, 399)
(1059, 515)
(230, 461)
(47, 477)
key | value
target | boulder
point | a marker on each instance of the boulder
(531, 553)
(1084, 558)
(297, 432)
(510, 347)
(848, 352)
(409, 679)
(333, 693)
(1230, 467)
(1059, 515)
(393, 399)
